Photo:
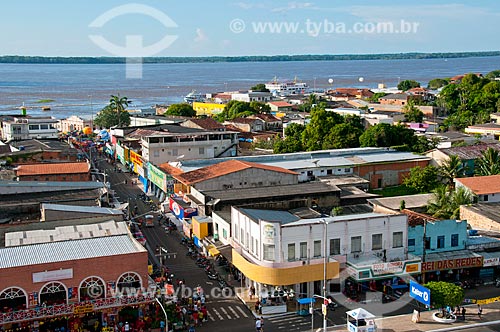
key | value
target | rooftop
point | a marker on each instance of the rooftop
(43, 253)
(53, 168)
(283, 217)
(470, 151)
(65, 233)
(482, 185)
(224, 168)
(207, 123)
(399, 96)
(487, 210)
(411, 201)
(486, 125)
(81, 209)
(280, 103)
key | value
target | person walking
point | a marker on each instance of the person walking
(258, 325)
(479, 311)
(463, 313)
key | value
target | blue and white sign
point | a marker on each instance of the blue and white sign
(420, 293)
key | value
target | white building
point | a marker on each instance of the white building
(485, 188)
(29, 128)
(73, 123)
(250, 96)
(278, 249)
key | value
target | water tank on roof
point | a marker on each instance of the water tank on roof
(472, 232)
(21, 148)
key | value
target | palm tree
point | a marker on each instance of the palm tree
(445, 204)
(451, 169)
(489, 163)
(119, 104)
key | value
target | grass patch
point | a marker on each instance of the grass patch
(41, 101)
(394, 191)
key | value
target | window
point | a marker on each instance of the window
(242, 239)
(235, 232)
(34, 127)
(376, 241)
(44, 127)
(485, 198)
(251, 244)
(256, 247)
(454, 240)
(440, 242)
(356, 244)
(411, 242)
(269, 252)
(224, 233)
(317, 248)
(156, 153)
(303, 250)
(175, 152)
(427, 242)
(347, 170)
(201, 150)
(329, 172)
(397, 239)
(291, 251)
(334, 246)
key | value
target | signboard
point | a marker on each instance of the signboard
(457, 263)
(413, 268)
(138, 170)
(157, 176)
(54, 275)
(120, 153)
(268, 233)
(136, 158)
(83, 309)
(491, 262)
(387, 268)
(420, 293)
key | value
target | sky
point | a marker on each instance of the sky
(244, 27)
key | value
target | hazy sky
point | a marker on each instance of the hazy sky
(225, 27)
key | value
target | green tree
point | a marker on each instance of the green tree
(260, 107)
(407, 85)
(489, 163)
(493, 74)
(261, 87)
(437, 83)
(336, 211)
(422, 144)
(412, 112)
(119, 104)
(183, 109)
(445, 203)
(445, 294)
(108, 117)
(451, 169)
(341, 136)
(292, 141)
(319, 126)
(386, 135)
(422, 180)
(376, 96)
(235, 109)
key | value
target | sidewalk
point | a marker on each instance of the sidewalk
(403, 323)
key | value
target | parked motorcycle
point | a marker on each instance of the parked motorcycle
(497, 282)
(212, 275)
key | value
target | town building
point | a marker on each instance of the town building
(468, 154)
(398, 99)
(250, 96)
(485, 129)
(485, 216)
(280, 106)
(381, 166)
(70, 171)
(248, 125)
(483, 188)
(208, 109)
(73, 123)
(394, 205)
(271, 122)
(70, 276)
(51, 212)
(204, 124)
(38, 150)
(23, 128)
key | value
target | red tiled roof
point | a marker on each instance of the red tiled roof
(207, 123)
(53, 168)
(482, 185)
(224, 168)
(230, 127)
(169, 169)
(415, 218)
(280, 103)
(470, 151)
(266, 117)
(243, 120)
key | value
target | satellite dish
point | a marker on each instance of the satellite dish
(330, 80)
(361, 79)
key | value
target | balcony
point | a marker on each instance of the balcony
(72, 309)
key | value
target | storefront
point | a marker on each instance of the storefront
(180, 208)
(491, 266)
(452, 266)
(157, 181)
(120, 153)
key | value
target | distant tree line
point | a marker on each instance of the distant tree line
(252, 58)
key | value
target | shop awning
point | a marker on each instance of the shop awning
(227, 252)
(213, 251)
(306, 300)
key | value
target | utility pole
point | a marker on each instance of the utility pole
(424, 252)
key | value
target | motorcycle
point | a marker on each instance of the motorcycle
(212, 276)
(497, 282)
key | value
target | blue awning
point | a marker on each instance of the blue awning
(306, 300)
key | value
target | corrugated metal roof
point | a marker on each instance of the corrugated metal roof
(65, 233)
(68, 251)
(83, 209)
(282, 217)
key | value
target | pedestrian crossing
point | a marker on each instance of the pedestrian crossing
(228, 312)
(291, 322)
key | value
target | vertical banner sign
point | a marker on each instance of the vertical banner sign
(420, 293)
(158, 177)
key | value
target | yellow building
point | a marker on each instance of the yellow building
(209, 109)
(201, 226)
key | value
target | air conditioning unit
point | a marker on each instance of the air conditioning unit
(380, 254)
(356, 255)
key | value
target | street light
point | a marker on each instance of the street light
(164, 312)
(105, 183)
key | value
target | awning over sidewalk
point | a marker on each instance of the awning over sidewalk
(449, 260)
(213, 251)
(227, 252)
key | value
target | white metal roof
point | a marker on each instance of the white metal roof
(64, 233)
(44, 253)
(78, 208)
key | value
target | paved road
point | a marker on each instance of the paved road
(490, 328)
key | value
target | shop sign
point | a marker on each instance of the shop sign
(450, 264)
(157, 176)
(138, 170)
(387, 268)
(491, 262)
(52, 275)
(83, 309)
(120, 152)
(413, 268)
(135, 158)
(268, 233)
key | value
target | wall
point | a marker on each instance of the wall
(221, 225)
(108, 268)
(478, 220)
(435, 229)
(51, 215)
(79, 177)
(248, 178)
(391, 174)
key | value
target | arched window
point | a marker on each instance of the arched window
(92, 288)
(53, 293)
(129, 280)
(13, 299)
